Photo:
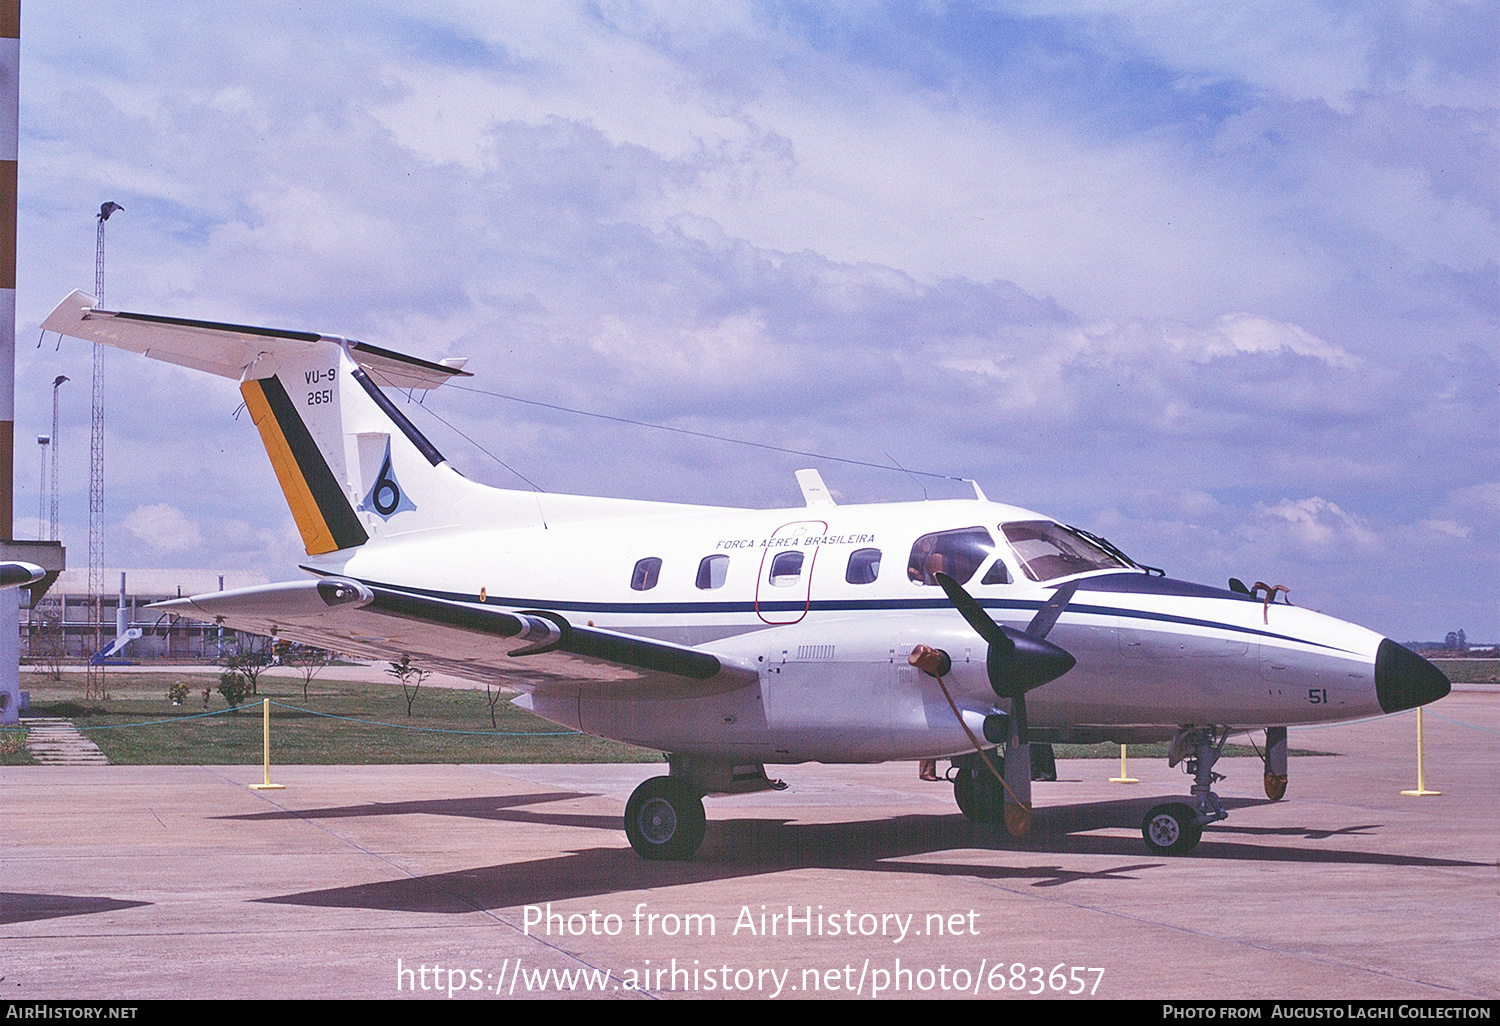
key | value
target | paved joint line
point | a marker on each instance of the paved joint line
(268, 799)
(1242, 942)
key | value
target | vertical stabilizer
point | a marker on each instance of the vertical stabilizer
(316, 495)
(350, 463)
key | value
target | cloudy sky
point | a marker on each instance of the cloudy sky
(1222, 287)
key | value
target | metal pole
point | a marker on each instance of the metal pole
(10, 116)
(44, 441)
(56, 445)
(1421, 791)
(265, 742)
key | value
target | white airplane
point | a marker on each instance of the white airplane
(733, 639)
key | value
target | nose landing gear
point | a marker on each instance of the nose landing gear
(1175, 828)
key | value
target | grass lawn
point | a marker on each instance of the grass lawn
(344, 722)
(340, 722)
(1470, 671)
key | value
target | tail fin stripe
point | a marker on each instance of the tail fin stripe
(390, 409)
(317, 501)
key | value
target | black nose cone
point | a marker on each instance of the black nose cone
(1404, 680)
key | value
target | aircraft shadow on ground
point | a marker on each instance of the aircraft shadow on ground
(748, 847)
(16, 907)
(499, 808)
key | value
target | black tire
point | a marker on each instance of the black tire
(1171, 829)
(664, 819)
(979, 795)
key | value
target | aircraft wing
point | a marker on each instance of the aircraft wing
(228, 349)
(532, 650)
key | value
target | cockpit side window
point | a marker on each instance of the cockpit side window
(864, 566)
(1049, 550)
(998, 573)
(646, 573)
(955, 553)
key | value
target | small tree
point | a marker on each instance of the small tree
(492, 693)
(308, 661)
(49, 647)
(248, 655)
(411, 678)
(234, 687)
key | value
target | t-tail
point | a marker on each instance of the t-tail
(344, 453)
(351, 464)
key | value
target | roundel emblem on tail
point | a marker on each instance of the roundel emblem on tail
(385, 497)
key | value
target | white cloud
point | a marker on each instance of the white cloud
(163, 528)
(1244, 333)
(1313, 524)
(1103, 257)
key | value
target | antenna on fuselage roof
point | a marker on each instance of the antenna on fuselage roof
(814, 491)
(978, 491)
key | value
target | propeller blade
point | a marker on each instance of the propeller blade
(1051, 610)
(1016, 662)
(974, 613)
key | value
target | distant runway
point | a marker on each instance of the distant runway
(393, 881)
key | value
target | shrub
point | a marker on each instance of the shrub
(234, 687)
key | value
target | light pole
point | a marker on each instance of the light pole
(44, 441)
(56, 444)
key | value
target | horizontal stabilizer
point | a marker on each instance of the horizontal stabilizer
(531, 650)
(229, 349)
(16, 575)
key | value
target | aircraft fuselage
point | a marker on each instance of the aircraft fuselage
(830, 640)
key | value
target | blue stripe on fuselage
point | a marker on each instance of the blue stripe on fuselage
(831, 606)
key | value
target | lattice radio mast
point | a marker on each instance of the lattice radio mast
(96, 482)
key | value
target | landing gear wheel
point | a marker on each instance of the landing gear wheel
(1275, 786)
(979, 795)
(664, 819)
(1171, 829)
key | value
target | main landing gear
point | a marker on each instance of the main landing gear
(977, 791)
(979, 795)
(664, 819)
(1175, 828)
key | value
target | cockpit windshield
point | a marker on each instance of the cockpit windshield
(1048, 550)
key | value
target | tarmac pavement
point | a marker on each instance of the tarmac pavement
(130, 882)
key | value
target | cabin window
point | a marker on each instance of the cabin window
(786, 568)
(646, 573)
(864, 566)
(1049, 550)
(956, 553)
(712, 570)
(999, 573)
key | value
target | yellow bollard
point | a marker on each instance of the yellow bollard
(1421, 790)
(265, 737)
(1123, 778)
